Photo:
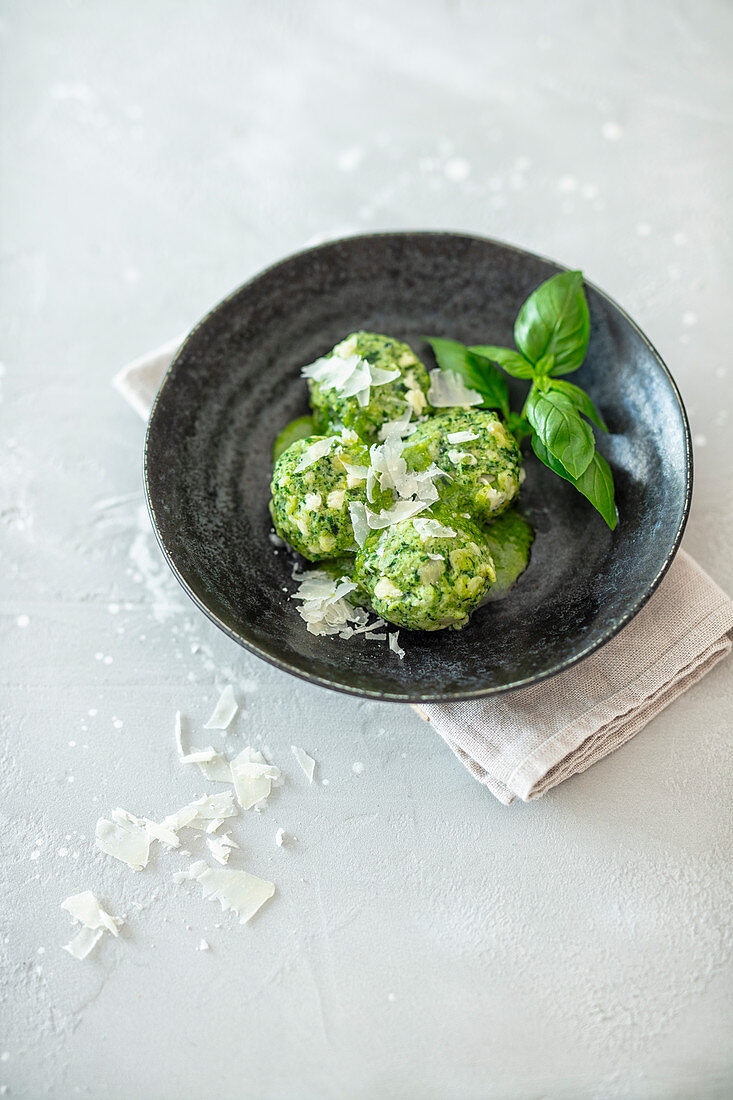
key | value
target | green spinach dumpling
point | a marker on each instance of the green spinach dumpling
(313, 482)
(479, 454)
(426, 573)
(366, 380)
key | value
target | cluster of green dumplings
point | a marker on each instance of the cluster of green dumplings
(395, 493)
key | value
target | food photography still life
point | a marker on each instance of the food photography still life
(366, 537)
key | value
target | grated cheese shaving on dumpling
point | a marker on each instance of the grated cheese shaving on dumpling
(461, 437)
(400, 510)
(358, 514)
(402, 426)
(351, 376)
(432, 529)
(448, 390)
(462, 458)
(315, 452)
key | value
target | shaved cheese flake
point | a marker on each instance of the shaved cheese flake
(203, 946)
(86, 909)
(461, 437)
(401, 510)
(400, 427)
(280, 837)
(178, 732)
(355, 474)
(216, 769)
(462, 458)
(199, 756)
(84, 942)
(347, 346)
(161, 832)
(237, 890)
(315, 452)
(306, 762)
(357, 512)
(233, 889)
(324, 609)
(125, 838)
(253, 777)
(190, 874)
(448, 389)
(395, 646)
(224, 710)
(384, 589)
(432, 529)
(221, 847)
(349, 375)
(204, 809)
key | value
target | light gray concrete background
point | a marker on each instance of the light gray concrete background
(424, 940)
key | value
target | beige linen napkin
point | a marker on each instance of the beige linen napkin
(523, 743)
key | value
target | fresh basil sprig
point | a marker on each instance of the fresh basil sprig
(551, 333)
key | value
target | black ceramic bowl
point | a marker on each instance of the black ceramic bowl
(236, 382)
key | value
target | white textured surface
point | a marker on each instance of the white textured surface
(424, 941)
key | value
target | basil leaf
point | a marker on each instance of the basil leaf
(291, 433)
(554, 321)
(519, 426)
(596, 483)
(477, 372)
(560, 427)
(512, 362)
(580, 399)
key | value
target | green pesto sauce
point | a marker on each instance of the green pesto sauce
(510, 538)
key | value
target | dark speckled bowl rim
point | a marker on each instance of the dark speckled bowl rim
(435, 696)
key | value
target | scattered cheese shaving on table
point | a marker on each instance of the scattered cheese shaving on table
(280, 837)
(224, 710)
(196, 815)
(125, 838)
(306, 762)
(395, 646)
(253, 777)
(178, 733)
(221, 847)
(83, 942)
(86, 909)
(233, 889)
(199, 756)
(216, 769)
